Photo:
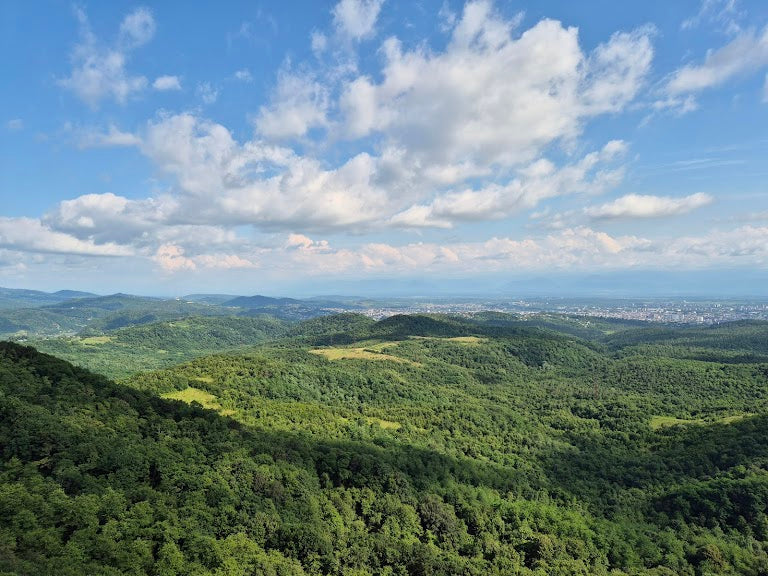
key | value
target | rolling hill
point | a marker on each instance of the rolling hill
(11, 298)
(415, 445)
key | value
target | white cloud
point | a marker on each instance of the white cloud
(137, 28)
(99, 71)
(30, 235)
(679, 105)
(108, 218)
(451, 135)
(420, 216)
(299, 104)
(244, 75)
(319, 42)
(207, 93)
(640, 206)
(447, 17)
(745, 54)
(454, 135)
(113, 137)
(15, 125)
(197, 152)
(196, 238)
(225, 182)
(479, 128)
(491, 99)
(356, 19)
(302, 242)
(724, 13)
(575, 248)
(740, 246)
(536, 182)
(465, 132)
(571, 249)
(165, 83)
(224, 261)
(617, 69)
(170, 258)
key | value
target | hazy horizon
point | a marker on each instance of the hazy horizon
(642, 284)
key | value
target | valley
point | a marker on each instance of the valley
(416, 444)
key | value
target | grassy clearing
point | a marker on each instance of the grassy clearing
(469, 340)
(378, 346)
(658, 422)
(359, 354)
(96, 340)
(386, 424)
(190, 395)
(473, 340)
(735, 418)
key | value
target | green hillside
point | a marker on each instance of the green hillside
(12, 298)
(124, 351)
(98, 314)
(418, 445)
(734, 342)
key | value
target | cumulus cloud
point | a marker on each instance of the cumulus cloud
(536, 182)
(319, 43)
(258, 183)
(244, 75)
(207, 93)
(356, 19)
(299, 103)
(137, 28)
(744, 245)
(15, 125)
(302, 242)
(143, 224)
(641, 206)
(171, 258)
(617, 69)
(113, 137)
(108, 217)
(99, 70)
(166, 83)
(491, 98)
(451, 135)
(571, 248)
(745, 54)
(435, 137)
(31, 235)
(575, 249)
(224, 261)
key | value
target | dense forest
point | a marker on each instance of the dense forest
(416, 445)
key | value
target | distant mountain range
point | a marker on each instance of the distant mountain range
(17, 298)
(35, 313)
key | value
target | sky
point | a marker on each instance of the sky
(317, 147)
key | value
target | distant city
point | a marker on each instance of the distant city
(669, 311)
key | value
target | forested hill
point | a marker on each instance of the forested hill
(123, 351)
(417, 446)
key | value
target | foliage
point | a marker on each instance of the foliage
(125, 351)
(474, 447)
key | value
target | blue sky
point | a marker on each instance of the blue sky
(293, 147)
